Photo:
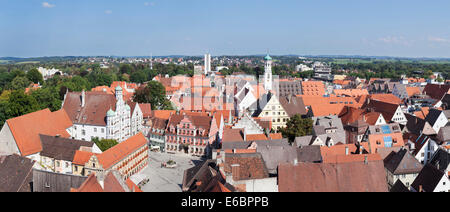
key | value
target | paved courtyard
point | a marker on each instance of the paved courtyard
(165, 179)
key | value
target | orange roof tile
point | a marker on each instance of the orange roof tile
(351, 92)
(121, 150)
(132, 186)
(377, 141)
(320, 100)
(389, 98)
(81, 157)
(352, 158)
(412, 91)
(90, 185)
(326, 109)
(26, 129)
(275, 136)
(337, 150)
(146, 109)
(313, 88)
(240, 151)
(163, 114)
(256, 137)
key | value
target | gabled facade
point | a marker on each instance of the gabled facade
(437, 119)
(101, 115)
(401, 166)
(128, 158)
(274, 111)
(422, 147)
(191, 134)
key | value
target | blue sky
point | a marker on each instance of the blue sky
(405, 28)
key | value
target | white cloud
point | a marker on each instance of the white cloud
(108, 12)
(48, 5)
(398, 40)
(438, 39)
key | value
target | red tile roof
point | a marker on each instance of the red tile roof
(351, 92)
(313, 88)
(94, 110)
(121, 150)
(389, 98)
(26, 129)
(332, 177)
(163, 114)
(275, 136)
(81, 157)
(90, 185)
(413, 91)
(256, 137)
(146, 110)
(377, 141)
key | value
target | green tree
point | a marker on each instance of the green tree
(126, 69)
(138, 77)
(19, 83)
(35, 76)
(155, 94)
(297, 127)
(47, 98)
(20, 104)
(105, 144)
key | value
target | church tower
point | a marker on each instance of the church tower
(268, 73)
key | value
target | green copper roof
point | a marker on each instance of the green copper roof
(118, 88)
(127, 107)
(110, 113)
(267, 58)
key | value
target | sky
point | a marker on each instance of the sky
(398, 28)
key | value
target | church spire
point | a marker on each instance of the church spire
(268, 73)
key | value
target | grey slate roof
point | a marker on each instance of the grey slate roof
(293, 105)
(428, 178)
(44, 181)
(207, 173)
(444, 134)
(61, 148)
(15, 173)
(432, 116)
(402, 162)
(274, 155)
(399, 187)
(440, 159)
(303, 141)
(309, 154)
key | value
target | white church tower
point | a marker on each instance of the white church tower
(207, 64)
(268, 73)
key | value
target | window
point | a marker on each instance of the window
(95, 129)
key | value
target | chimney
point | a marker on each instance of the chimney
(235, 172)
(346, 150)
(83, 98)
(295, 161)
(420, 188)
(365, 160)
